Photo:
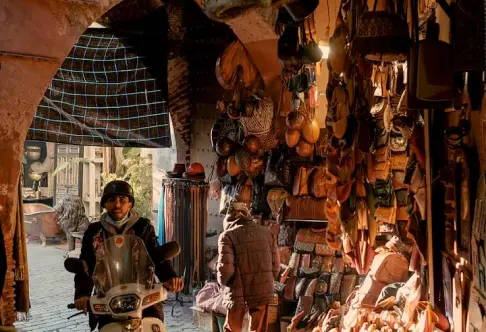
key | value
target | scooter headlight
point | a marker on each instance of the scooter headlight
(132, 324)
(124, 304)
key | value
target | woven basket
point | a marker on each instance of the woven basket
(261, 122)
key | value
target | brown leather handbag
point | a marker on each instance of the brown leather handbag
(306, 208)
(308, 235)
(300, 182)
(389, 267)
(317, 182)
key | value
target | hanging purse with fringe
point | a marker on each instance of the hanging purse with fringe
(382, 35)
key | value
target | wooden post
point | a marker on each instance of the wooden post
(428, 178)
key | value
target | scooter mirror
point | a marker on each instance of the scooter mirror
(168, 251)
(76, 266)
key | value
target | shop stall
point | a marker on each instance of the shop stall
(355, 203)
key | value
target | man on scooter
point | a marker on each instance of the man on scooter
(120, 218)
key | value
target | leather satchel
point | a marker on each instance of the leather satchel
(305, 208)
(324, 250)
(317, 182)
(310, 235)
(389, 267)
(300, 182)
(304, 247)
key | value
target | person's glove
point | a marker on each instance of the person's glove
(82, 304)
(174, 285)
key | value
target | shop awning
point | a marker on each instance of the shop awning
(104, 94)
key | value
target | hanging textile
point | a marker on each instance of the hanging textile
(22, 300)
(185, 221)
(160, 217)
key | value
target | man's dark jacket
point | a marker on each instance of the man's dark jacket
(143, 229)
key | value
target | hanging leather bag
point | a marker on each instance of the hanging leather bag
(306, 208)
(389, 267)
(425, 60)
(382, 35)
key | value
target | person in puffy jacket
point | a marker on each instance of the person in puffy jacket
(248, 264)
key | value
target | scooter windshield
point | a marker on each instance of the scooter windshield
(122, 260)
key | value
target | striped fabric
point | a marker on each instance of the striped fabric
(104, 94)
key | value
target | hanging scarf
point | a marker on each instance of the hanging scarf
(161, 212)
(22, 301)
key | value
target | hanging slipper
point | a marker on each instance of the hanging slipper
(337, 43)
(344, 191)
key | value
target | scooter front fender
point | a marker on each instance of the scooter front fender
(149, 324)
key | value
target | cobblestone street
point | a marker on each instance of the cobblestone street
(52, 288)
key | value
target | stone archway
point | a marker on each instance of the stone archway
(36, 37)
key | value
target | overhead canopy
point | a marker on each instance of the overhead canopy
(104, 94)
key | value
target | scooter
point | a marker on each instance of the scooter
(124, 280)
